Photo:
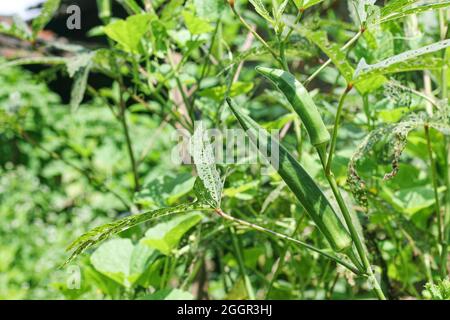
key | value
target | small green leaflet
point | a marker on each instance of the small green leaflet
(48, 10)
(79, 68)
(209, 9)
(305, 4)
(195, 24)
(262, 11)
(406, 12)
(363, 8)
(202, 153)
(18, 29)
(414, 64)
(395, 6)
(364, 68)
(128, 33)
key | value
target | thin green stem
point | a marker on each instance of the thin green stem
(417, 93)
(444, 29)
(328, 62)
(206, 65)
(282, 46)
(240, 257)
(337, 121)
(186, 101)
(351, 227)
(291, 29)
(126, 131)
(285, 237)
(437, 207)
(257, 36)
(282, 258)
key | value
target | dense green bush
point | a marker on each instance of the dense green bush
(377, 72)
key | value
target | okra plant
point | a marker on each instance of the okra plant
(342, 191)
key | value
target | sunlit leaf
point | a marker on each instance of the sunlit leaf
(165, 236)
(196, 25)
(48, 10)
(128, 33)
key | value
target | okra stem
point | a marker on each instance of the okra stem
(444, 29)
(351, 227)
(437, 207)
(335, 129)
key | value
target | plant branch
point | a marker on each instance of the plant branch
(285, 237)
(348, 220)
(441, 235)
(335, 130)
(328, 62)
(257, 36)
(126, 131)
(240, 257)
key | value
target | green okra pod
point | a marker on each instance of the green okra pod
(302, 103)
(301, 184)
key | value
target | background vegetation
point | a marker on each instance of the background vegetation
(72, 162)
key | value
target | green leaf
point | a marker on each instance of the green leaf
(34, 60)
(128, 33)
(438, 291)
(121, 261)
(18, 29)
(165, 236)
(165, 190)
(105, 231)
(77, 63)
(209, 9)
(332, 50)
(338, 57)
(48, 10)
(395, 6)
(365, 69)
(419, 63)
(202, 152)
(411, 200)
(262, 11)
(218, 93)
(406, 12)
(196, 25)
(79, 68)
(306, 3)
